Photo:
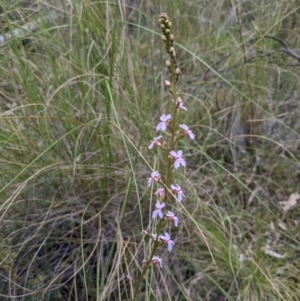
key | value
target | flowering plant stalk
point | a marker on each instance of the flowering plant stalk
(168, 192)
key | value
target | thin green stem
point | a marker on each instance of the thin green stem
(173, 126)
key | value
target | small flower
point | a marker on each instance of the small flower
(166, 239)
(160, 192)
(171, 217)
(187, 131)
(129, 277)
(156, 259)
(180, 104)
(155, 176)
(178, 160)
(155, 141)
(157, 211)
(164, 122)
(176, 189)
(144, 232)
(154, 236)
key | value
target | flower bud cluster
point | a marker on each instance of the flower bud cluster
(168, 39)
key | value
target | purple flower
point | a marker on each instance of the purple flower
(157, 211)
(167, 240)
(155, 141)
(164, 122)
(155, 176)
(187, 131)
(176, 189)
(156, 259)
(180, 104)
(178, 160)
(160, 192)
(171, 217)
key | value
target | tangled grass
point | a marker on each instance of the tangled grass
(78, 96)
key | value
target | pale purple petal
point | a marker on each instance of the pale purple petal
(161, 126)
(155, 141)
(191, 134)
(157, 211)
(165, 117)
(156, 259)
(178, 160)
(159, 205)
(154, 178)
(160, 192)
(184, 127)
(154, 236)
(166, 239)
(180, 104)
(176, 189)
(151, 145)
(187, 131)
(173, 154)
(164, 122)
(170, 245)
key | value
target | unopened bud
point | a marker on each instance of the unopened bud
(162, 26)
(177, 71)
(167, 83)
(169, 24)
(164, 38)
(172, 37)
(168, 63)
(167, 30)
(129, 277)
(171, 49)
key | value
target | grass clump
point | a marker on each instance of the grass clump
(80, 89)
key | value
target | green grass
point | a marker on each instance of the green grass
(78, 107)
